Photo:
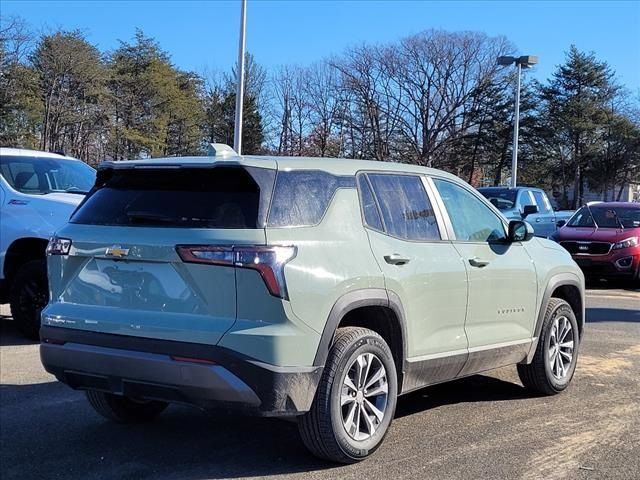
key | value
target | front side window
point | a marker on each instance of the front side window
(471, 219)
(42, 175)
(542, 201)
(406, 210)
(526, 199)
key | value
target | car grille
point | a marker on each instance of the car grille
(587, 248)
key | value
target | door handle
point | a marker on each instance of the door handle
(477, 262)
(538, 220)
(396, 259)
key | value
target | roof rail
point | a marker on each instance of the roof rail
(221, 150)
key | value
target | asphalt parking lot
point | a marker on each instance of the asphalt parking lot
(484, 426)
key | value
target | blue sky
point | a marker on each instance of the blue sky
(200, 34)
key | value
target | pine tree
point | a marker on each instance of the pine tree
(576, 101)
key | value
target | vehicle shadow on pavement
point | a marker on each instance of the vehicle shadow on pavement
(9, 334)
(478, 388)
(56, 425)
(601, 314)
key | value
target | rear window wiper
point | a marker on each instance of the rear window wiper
(150, 217)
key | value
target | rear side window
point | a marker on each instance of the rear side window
(220, 197)
(406, 210)
(301, 197)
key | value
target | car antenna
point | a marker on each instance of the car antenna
(591, 213)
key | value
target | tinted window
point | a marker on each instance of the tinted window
(541, 200)
(41, 175)
(369, 207)
(406, 210)
(205, 198)
(302, 197)
(472, 220)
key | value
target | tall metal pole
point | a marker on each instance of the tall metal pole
(237, 131)
(516, 125)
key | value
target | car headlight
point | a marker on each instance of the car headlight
(627, 243)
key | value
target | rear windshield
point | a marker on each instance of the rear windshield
(220, 197)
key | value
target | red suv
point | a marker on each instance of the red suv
(604, 239)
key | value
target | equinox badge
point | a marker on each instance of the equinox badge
(117, 251)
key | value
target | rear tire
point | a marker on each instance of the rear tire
(121, 409)
(28, 295)
(556, 355)
(346, 424)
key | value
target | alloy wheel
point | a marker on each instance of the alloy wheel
(561, 347)
(364, 396)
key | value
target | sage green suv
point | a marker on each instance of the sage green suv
(313, 288)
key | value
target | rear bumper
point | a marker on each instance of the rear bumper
(144, 368)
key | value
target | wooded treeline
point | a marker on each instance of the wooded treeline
(435, 98)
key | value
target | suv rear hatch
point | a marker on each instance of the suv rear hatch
(128, 262)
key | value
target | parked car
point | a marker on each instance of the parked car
(38, 192)
(604, 239)
(527, 203)
(312, 288)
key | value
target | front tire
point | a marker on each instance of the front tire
(29, 294)
(356, 398)
(554, 361)
(121, 409)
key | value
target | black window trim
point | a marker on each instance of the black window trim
(480, 197)
(444, 233)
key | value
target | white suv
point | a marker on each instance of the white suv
(38, 193)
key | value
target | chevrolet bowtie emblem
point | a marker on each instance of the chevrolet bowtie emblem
(117, 251)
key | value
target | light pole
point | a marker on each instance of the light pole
(237, 130)
(524, 61)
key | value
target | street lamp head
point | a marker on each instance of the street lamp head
(505, 60)
(528, 60)
(524, 61)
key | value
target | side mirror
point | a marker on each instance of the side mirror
(520, 231)
(529, 210)
(561, 223)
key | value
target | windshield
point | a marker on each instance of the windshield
(501, 198)
(610, 217)
(38, 175)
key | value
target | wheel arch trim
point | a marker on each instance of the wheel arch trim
(555, 282)
(367, 297)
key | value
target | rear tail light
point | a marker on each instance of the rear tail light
(268, 260)
(58, 246)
